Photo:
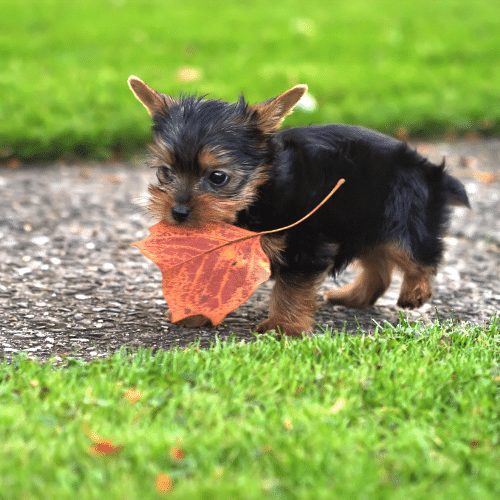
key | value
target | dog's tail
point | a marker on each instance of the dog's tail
(455, 192)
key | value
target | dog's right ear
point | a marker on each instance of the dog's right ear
(153, 101)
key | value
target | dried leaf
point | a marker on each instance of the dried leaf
(164, 483)
(105, 447)
(472, 163)
(101, 446)
(337, 406)
(402, 133)
(132, 395)
(14, 163)
(212, 270)
(485, 177)
(176, 453)
(188, 74)
(288, 424)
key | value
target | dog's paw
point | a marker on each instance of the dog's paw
(194, 322)
(415, 299)
(283, 328)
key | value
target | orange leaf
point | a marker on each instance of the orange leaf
(212, 270)
(105, 447)
(101, 445)
(176, 453)
(207, 271)
(164, 483)
(132, 395)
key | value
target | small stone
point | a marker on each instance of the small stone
(107, 267)
(82, 296)
(40, 240)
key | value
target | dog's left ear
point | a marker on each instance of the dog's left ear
(272, 112)
(153, 101)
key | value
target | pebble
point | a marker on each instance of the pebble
(81, 296)
(40, 240)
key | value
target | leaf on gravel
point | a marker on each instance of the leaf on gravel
(485, 177)
(164, 483)
(132, 395)
(210, 271)
(472, 163)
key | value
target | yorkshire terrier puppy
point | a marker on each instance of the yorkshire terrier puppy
(228, 162)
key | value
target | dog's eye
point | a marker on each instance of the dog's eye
(164, 174)
(218, 178)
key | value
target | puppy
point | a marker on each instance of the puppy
(219, 161)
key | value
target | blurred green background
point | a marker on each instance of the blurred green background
(423, 68)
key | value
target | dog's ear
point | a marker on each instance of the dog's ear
(153, 101)
(272, 112)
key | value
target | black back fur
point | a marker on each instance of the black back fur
(391, 195)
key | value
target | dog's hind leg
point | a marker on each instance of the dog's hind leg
(416, 288)
(369, 285)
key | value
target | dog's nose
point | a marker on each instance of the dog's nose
(180, 212)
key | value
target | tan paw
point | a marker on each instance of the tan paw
(194, 322)
(415, 299)
(291, 330)
(335, 297)
(339, 297)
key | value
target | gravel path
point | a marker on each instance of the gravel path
(70, 283)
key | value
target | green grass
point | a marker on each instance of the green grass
(428, 66)
(255, 419)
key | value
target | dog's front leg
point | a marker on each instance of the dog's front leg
(293, 303)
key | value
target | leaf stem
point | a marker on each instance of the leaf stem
(319, 205)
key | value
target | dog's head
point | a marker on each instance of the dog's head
(211, 156)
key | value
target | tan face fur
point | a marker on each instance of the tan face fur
(187, 166)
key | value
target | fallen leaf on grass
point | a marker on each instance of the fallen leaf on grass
(474, 443)
(101, 446)
(132, 395)
(402, 133)
(163, 483)
(218, 472)
(105, 447)
(212, 270)
(337, 406)
(288, 424)
(177, 453)
(188, 74)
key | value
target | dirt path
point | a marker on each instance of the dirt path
(71, 283)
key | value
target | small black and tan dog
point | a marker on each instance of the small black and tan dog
(219, 161)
